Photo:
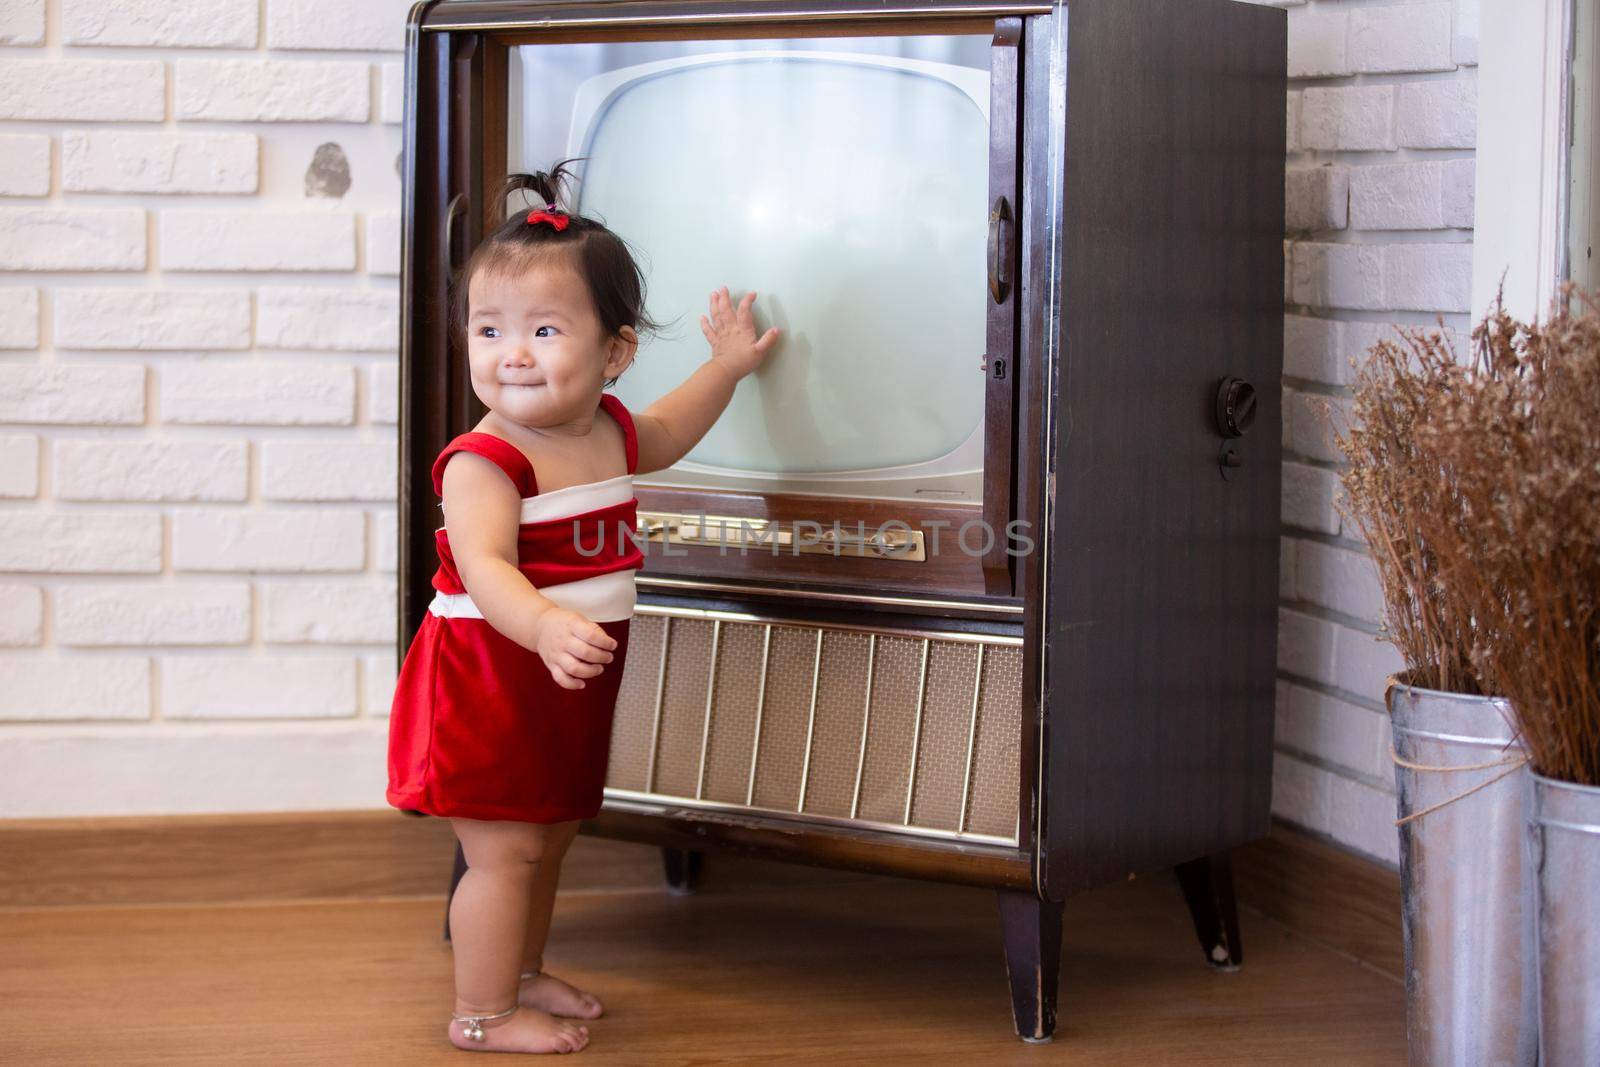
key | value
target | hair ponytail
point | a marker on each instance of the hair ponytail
(547, 186)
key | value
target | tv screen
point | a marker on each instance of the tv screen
(845, 181)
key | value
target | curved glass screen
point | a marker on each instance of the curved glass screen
(848, 189)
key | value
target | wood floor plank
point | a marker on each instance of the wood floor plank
(871, 970)
(1324, 892)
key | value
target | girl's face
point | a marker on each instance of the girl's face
(535, 349)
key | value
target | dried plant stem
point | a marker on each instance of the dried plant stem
(1478, 487)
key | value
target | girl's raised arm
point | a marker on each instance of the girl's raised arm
(673, 425)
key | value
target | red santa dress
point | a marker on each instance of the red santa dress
(479, 729)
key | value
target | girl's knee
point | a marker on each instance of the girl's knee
(502, 844)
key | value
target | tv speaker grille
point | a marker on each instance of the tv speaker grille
(840, 724)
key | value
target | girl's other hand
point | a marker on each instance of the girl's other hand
(732, 333)
(573, 647)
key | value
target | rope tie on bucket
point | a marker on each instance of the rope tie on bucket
(1511, 764)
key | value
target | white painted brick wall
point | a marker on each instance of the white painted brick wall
(83, 90)
(1317, 45)
(238, 767)
(153, 613)
(47, 238)
(21, 615)
(1458, 193)
(288, 540)
(258, 240)
(81, 394)
(1317, 198)
(19, 466)
(383, 243)
(1437, 115)
(97, 469)
(262, 90)
(168, 23)
(1428, 277)
(22, 22)
(24, 164)
(1400, 38)
(1345, 733)
(49, 688)
(152, 318)
(257, 394)
(330, 613)
(1312, 417)
(19, 317)
(329, 470)
(1405, 196)
(80, 542)
(377, 679)
(1379, 201)
(1338, 580)
(1355, 119)
(1339, 275)
(386, 540)
(1308, 498)
(345, 319)
(383, 394)
(1464, 48)
(151, 410)
(392, 92)
(372, 25)
(125, 161)
(258, 687)
(1314, 350)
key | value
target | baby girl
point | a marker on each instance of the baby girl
(502, 711)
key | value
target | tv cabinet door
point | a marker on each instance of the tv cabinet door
(1161, 599)
(864, 183)
(1000, 368)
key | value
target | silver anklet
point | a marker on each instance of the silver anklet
(473, 1028)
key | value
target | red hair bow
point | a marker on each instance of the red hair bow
(549, 214)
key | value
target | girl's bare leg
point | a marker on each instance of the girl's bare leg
(488, 926)
(547, 992)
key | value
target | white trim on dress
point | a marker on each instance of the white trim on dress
(577, 499)
(602, 598)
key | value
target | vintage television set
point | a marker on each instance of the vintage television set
(976, 579)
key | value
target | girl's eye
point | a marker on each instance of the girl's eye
(488, 331)
(536, 332)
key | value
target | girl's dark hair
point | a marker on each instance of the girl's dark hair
(600, 257)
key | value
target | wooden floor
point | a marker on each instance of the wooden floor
(796, 966)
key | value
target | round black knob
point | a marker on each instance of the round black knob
(1236, 407)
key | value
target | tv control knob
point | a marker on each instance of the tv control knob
(1236, 407)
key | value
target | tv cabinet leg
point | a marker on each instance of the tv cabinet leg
(456, 872)
(682, 867)
(1032, 931)
(1208, 890)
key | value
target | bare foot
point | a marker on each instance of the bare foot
(528, 1030)
(548, 993)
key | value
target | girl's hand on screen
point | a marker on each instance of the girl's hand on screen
(732, 333)
(573, 647)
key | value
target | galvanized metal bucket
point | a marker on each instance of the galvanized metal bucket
(1467, 911)
(1564, 827)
